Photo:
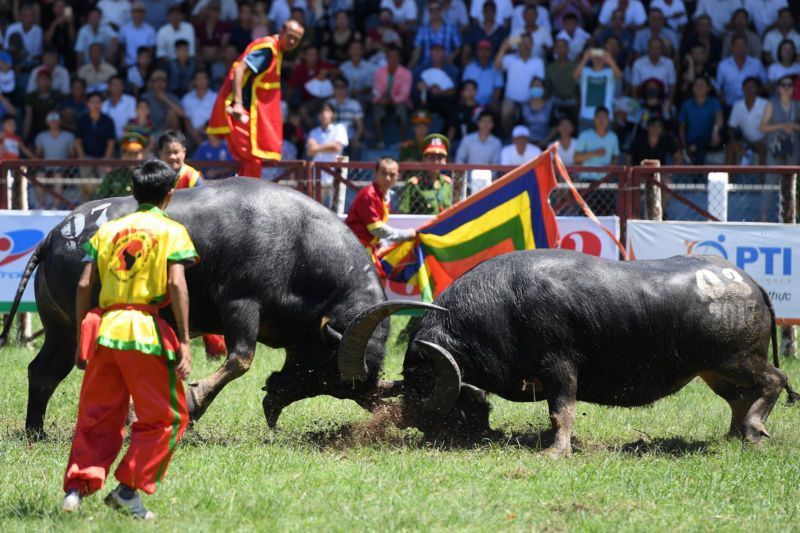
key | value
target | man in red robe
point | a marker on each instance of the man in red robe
(369, 212)
(248, 107)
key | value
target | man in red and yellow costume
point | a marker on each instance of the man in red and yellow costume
(248, 107)
(369, 212)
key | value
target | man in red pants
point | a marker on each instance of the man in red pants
(128, 351)
(172, 151)
(248, 107)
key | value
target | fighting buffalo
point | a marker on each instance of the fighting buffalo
(562, 326)
(276, 268)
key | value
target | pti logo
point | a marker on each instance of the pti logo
(766, 260)
(16, 244)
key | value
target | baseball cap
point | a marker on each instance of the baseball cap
(44, 72)
(520, 131)
(421, 116)
(485, 43)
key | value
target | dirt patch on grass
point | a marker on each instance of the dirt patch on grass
(380, 429)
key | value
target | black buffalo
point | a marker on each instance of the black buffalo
(276, 268)
(562, 326)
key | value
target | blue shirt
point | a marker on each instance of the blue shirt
(730, 78)
(588, 141)
(447, 35)
(488, 79)
(95, 135)
(206, 152)
(699, 120)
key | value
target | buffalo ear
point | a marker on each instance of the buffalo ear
(330, 335)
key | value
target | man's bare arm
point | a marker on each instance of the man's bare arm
(179, 296)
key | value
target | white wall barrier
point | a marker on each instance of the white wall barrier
(770, 253)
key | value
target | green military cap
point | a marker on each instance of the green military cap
(435, 143)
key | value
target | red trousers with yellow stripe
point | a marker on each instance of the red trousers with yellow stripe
(241, 148)
(112, 378)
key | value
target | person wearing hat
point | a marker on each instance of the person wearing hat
(248, 106)
(520, 150)
(136, 34)
(411, 150)
(429, 192)
(369, 212)
(117, 182)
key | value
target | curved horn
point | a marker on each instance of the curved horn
(330, 334)
(353, 345)
(447, 383)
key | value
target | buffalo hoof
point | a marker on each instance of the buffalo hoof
(35, 434)
(556, 453)
(272, 412)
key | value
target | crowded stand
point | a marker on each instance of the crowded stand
(612, 81)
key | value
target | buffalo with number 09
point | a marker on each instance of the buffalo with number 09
(562, 326)
(276, 267)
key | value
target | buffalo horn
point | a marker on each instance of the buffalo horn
(447, 381)
(352, 348)
(331, 335)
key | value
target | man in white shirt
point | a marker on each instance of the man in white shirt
(655, 28)
(719, 11)
(32, 36)
(480, 147)
(279, 12)
(197, 104)
(119, 106)
(655, 65)
(229, 9)
(541, 35)
(784, 30)
(733, 70)
(404, 11)
(520, 150)
(325, 144)
(520, 69)
(93, 32)
(505, 10)
(136, 33)
(60, 75)
(575, 36)
(116, 13)
(744, 124)
(674, 11)
(172, 32)
(542, 16)
(764, 13)
(453, 12)
(635, 15)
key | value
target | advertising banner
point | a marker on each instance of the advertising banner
(770, 253)
(20, 234)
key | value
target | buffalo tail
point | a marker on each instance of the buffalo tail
(33, 262)
(793, 396)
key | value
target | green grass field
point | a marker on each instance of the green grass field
(665, 467)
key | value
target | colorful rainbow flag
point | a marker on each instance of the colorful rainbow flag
(513, 213)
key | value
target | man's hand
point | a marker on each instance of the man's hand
(413, 234)
(239, 113)
(79, 362)
(600, 152)
(184, 367)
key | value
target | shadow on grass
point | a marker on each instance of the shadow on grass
(672, 447)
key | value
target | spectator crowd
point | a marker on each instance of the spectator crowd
(612, 81)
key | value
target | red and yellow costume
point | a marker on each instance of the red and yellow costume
(130, 352)
(260, 137)
(187, 178)
(367, 212)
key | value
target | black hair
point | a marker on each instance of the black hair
(382, 159)
(571, 16)
(182, 42)
(152, 182)
(143, 49)
(469, 82)
(93, 94)
(9, 117)
(171, 136)
(738, 37)
(327, 105)
(341, 79)
(601, 109)
(485, 113)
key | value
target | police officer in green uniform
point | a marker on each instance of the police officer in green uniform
(118, 182)
(429, 193)
(411, 149)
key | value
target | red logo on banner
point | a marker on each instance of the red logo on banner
(583, 241)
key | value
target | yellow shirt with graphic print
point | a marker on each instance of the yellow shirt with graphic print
(132, 254)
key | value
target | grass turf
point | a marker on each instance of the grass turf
(661, 467)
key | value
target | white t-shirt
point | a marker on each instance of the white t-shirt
(719, 11)
(576, 43)
(774, 38)
(776, 71)
(436, 76)
(510, 156)
(764, 13)
(635, 15)
(115, 12)
(671, 10)
(748, 120)
(122, 113)
(7, 81)
(406, 12)
(505, 10)
(542, 39)
(519, 74)
(334, 132)
(167, 35)
(567, 154)
(198, 109)
(644, 69)
(32, 40)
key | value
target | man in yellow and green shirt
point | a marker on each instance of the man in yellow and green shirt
(128, 351)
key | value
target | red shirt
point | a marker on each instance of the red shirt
(368, 211)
